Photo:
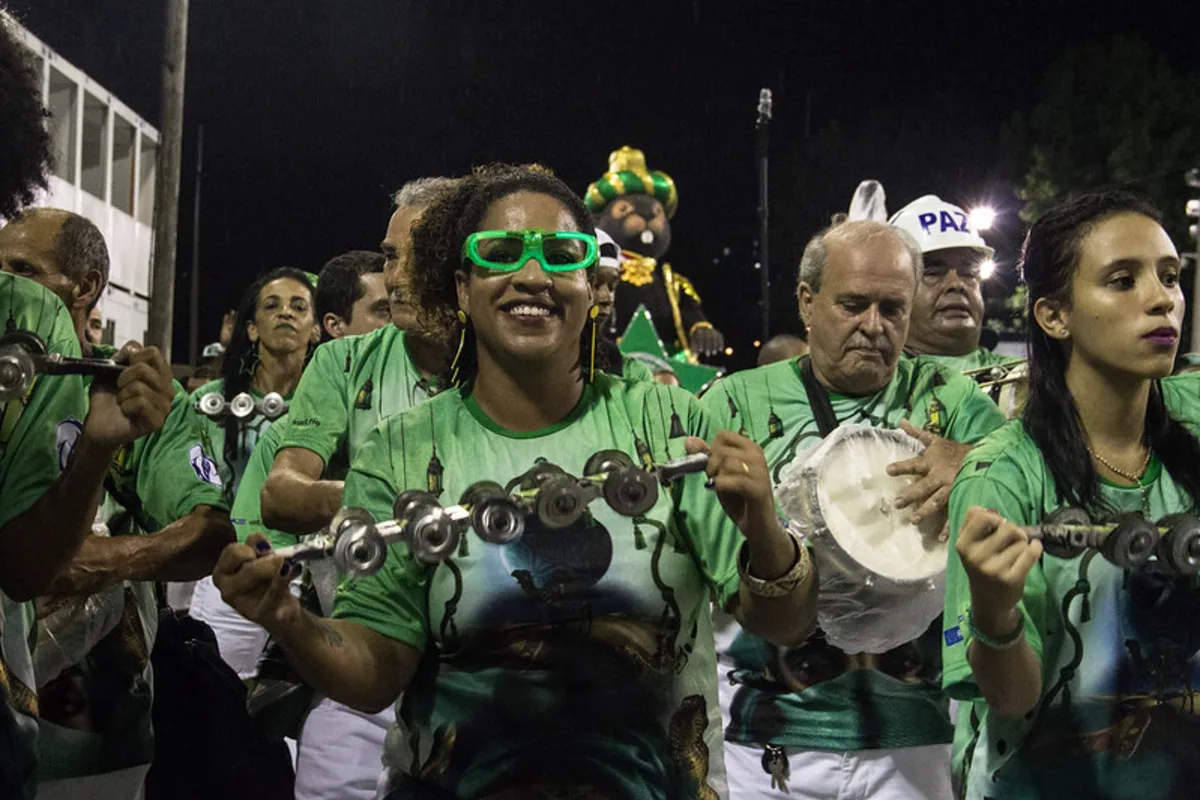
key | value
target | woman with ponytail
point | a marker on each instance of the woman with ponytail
(575, 661)
(274, 334)
(1078, 674)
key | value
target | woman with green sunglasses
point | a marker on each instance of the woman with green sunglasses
(575, 660)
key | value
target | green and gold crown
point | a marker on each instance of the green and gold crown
(627, 174)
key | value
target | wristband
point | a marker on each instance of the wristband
(785, 583)
(1005, 642)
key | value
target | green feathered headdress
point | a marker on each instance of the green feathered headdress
(627, 174)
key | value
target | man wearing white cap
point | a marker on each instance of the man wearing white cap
(947, 312)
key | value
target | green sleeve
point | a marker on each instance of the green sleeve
(247, 506)
(997, 486)
(37, 439)
(974, 416)
(171, 471)
(713, 538)
(38, 432)
(716, 403)
(319, 411)
(393, 600)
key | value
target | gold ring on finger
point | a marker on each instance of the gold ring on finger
(745, 468)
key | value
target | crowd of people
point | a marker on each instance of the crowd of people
(160, 635)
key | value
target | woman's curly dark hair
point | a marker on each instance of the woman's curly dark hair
(24, 140)
(436, 253)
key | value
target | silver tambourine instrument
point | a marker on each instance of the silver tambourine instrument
(24, 356)
(1007, 384)
(432, 532)
(881, 578)
(243, 405)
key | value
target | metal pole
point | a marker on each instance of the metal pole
(166, 210)
(194, 321)
(764, 262)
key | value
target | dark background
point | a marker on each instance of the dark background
(315, 110)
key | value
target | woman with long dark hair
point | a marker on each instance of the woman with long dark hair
(274, 333)
(1079, 672)
(574, 661)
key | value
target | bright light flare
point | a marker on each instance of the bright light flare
(987, 269)
(728, 351)
(982, 218)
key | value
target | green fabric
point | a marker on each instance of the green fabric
(153, 482)
(347, 388)
(36, 437)
(853, 711)
(581, 656)
(337, 407)
(975, 360)
(212, 436)
(635, 369)
(1120, 722)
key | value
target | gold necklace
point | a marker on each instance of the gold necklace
(1137, 479)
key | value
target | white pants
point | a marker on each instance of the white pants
(908, 773)
(341, 752)
(241, 641)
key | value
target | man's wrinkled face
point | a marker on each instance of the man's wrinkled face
(27, 249)
(395, 247)
(858, 320)
(947, 313)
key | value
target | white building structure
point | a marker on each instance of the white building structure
(104, 169)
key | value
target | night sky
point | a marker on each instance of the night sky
(315, 110)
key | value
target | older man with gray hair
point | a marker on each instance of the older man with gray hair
(349, 386)
(825, 722)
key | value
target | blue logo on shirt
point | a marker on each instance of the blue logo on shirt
(952, 635)
(204, 467)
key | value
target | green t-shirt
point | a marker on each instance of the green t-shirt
(974, 360)
(230, 465)
(154, 481)
(855, 709)
(37, 435)
(580, 657)
(338, 388)
(349, 386)
(1118, 651)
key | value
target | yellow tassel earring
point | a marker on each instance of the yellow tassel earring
(592, 314)
(462, 340)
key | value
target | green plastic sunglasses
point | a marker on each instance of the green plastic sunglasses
(508, 251)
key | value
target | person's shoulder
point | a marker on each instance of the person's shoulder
(756, 377)
(420, 419)
(1182, 396)
(1006, 449)
(633, 392)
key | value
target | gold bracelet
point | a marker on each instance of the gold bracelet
(785, 583)
(701, 324)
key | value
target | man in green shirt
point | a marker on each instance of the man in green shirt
(351, 384)
(868, 725)
(947, 314)
(164, 484)
(52, 468)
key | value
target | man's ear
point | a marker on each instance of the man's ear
(804, 297)
(1053, 318)
(333, 325)
(88, 290)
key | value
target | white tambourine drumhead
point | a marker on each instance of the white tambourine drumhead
(857, 496)
(881, 579)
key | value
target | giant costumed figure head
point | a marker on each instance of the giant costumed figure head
(661, 308)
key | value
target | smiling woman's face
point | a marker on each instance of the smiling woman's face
(283, 321)
(530, 314)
